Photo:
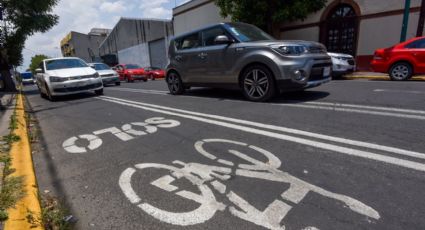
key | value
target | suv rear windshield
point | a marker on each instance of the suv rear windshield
(248, 33)
(65, 64)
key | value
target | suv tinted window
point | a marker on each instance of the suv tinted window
(188, 42)
(418, 44)
(208, 36)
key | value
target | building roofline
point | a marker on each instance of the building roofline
(134, 19)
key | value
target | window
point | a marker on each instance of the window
(101, 66)
(208, 36)
(132, 66)
(248, 33)
(418, 44)
(65, 64)
(188, 42)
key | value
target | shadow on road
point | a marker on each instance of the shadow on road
(227, 94)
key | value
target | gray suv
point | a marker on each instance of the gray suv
(242, 56)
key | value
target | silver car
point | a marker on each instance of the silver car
(64, 76)
(242, 56)
(108, 75)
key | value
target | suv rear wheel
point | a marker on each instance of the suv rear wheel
(401, 71)
(258, 84)
(175, 84)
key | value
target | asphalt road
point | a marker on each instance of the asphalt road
(346, 155)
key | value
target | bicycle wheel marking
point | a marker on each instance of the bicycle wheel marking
(210, 178)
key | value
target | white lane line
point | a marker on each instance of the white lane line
(286, 130)
(337, 104)
(388, 114)
(140, 91)
(399, 91)
(340, 107)
(316, 144)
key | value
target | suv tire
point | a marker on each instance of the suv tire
(175, 84)
(99, 92)
(401, 71)
(258, 83)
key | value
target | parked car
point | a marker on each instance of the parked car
(27, 78)
(242, 56)
(64, 76)
(342, 64)
(154, 73)
(401, 61)
(130, 72)
(108, 75)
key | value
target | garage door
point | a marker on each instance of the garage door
(158, 53)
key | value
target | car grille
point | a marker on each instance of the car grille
(80, 77)
(73, 89)
(108, 75)
(317, 71)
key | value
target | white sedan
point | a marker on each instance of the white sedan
(64, 76)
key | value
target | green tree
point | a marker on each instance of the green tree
(268, 14)
(35, 61)
(21, 19)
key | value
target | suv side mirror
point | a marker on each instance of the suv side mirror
(222, 39)
(38, 70)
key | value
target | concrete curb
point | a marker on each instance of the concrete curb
(22, 162)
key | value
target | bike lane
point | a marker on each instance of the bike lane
(152, 170)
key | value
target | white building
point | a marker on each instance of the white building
(357, 27)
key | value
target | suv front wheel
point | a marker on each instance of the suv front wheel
(258, 84)
(175, 84)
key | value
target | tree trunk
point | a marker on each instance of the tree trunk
(8, 83)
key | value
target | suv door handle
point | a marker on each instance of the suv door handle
(202, 55)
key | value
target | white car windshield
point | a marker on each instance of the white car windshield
(65, 64)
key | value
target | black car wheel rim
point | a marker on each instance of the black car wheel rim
(173, 83)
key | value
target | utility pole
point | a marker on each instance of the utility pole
(421, 20)
(405, 21)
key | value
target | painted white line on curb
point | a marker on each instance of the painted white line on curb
(389, 109)
(287, 130)
(400, 115)
(316, 144)
(399, 91)
(340, 107)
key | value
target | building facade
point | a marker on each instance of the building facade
(138, 41)
(356, 27)
(84, 46)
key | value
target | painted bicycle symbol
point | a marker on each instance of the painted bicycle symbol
(209, 178)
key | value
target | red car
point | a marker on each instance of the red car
(401, 61)
(130, 72)
(154, 73)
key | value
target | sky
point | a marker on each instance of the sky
(82, 15)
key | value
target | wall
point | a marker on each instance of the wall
(309, 34)
(138, 54)
(196, 14)
(130, 32)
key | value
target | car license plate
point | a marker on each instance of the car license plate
(327, 71)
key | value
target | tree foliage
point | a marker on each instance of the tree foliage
(21, 19)
(267, 14)
(36, 60)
